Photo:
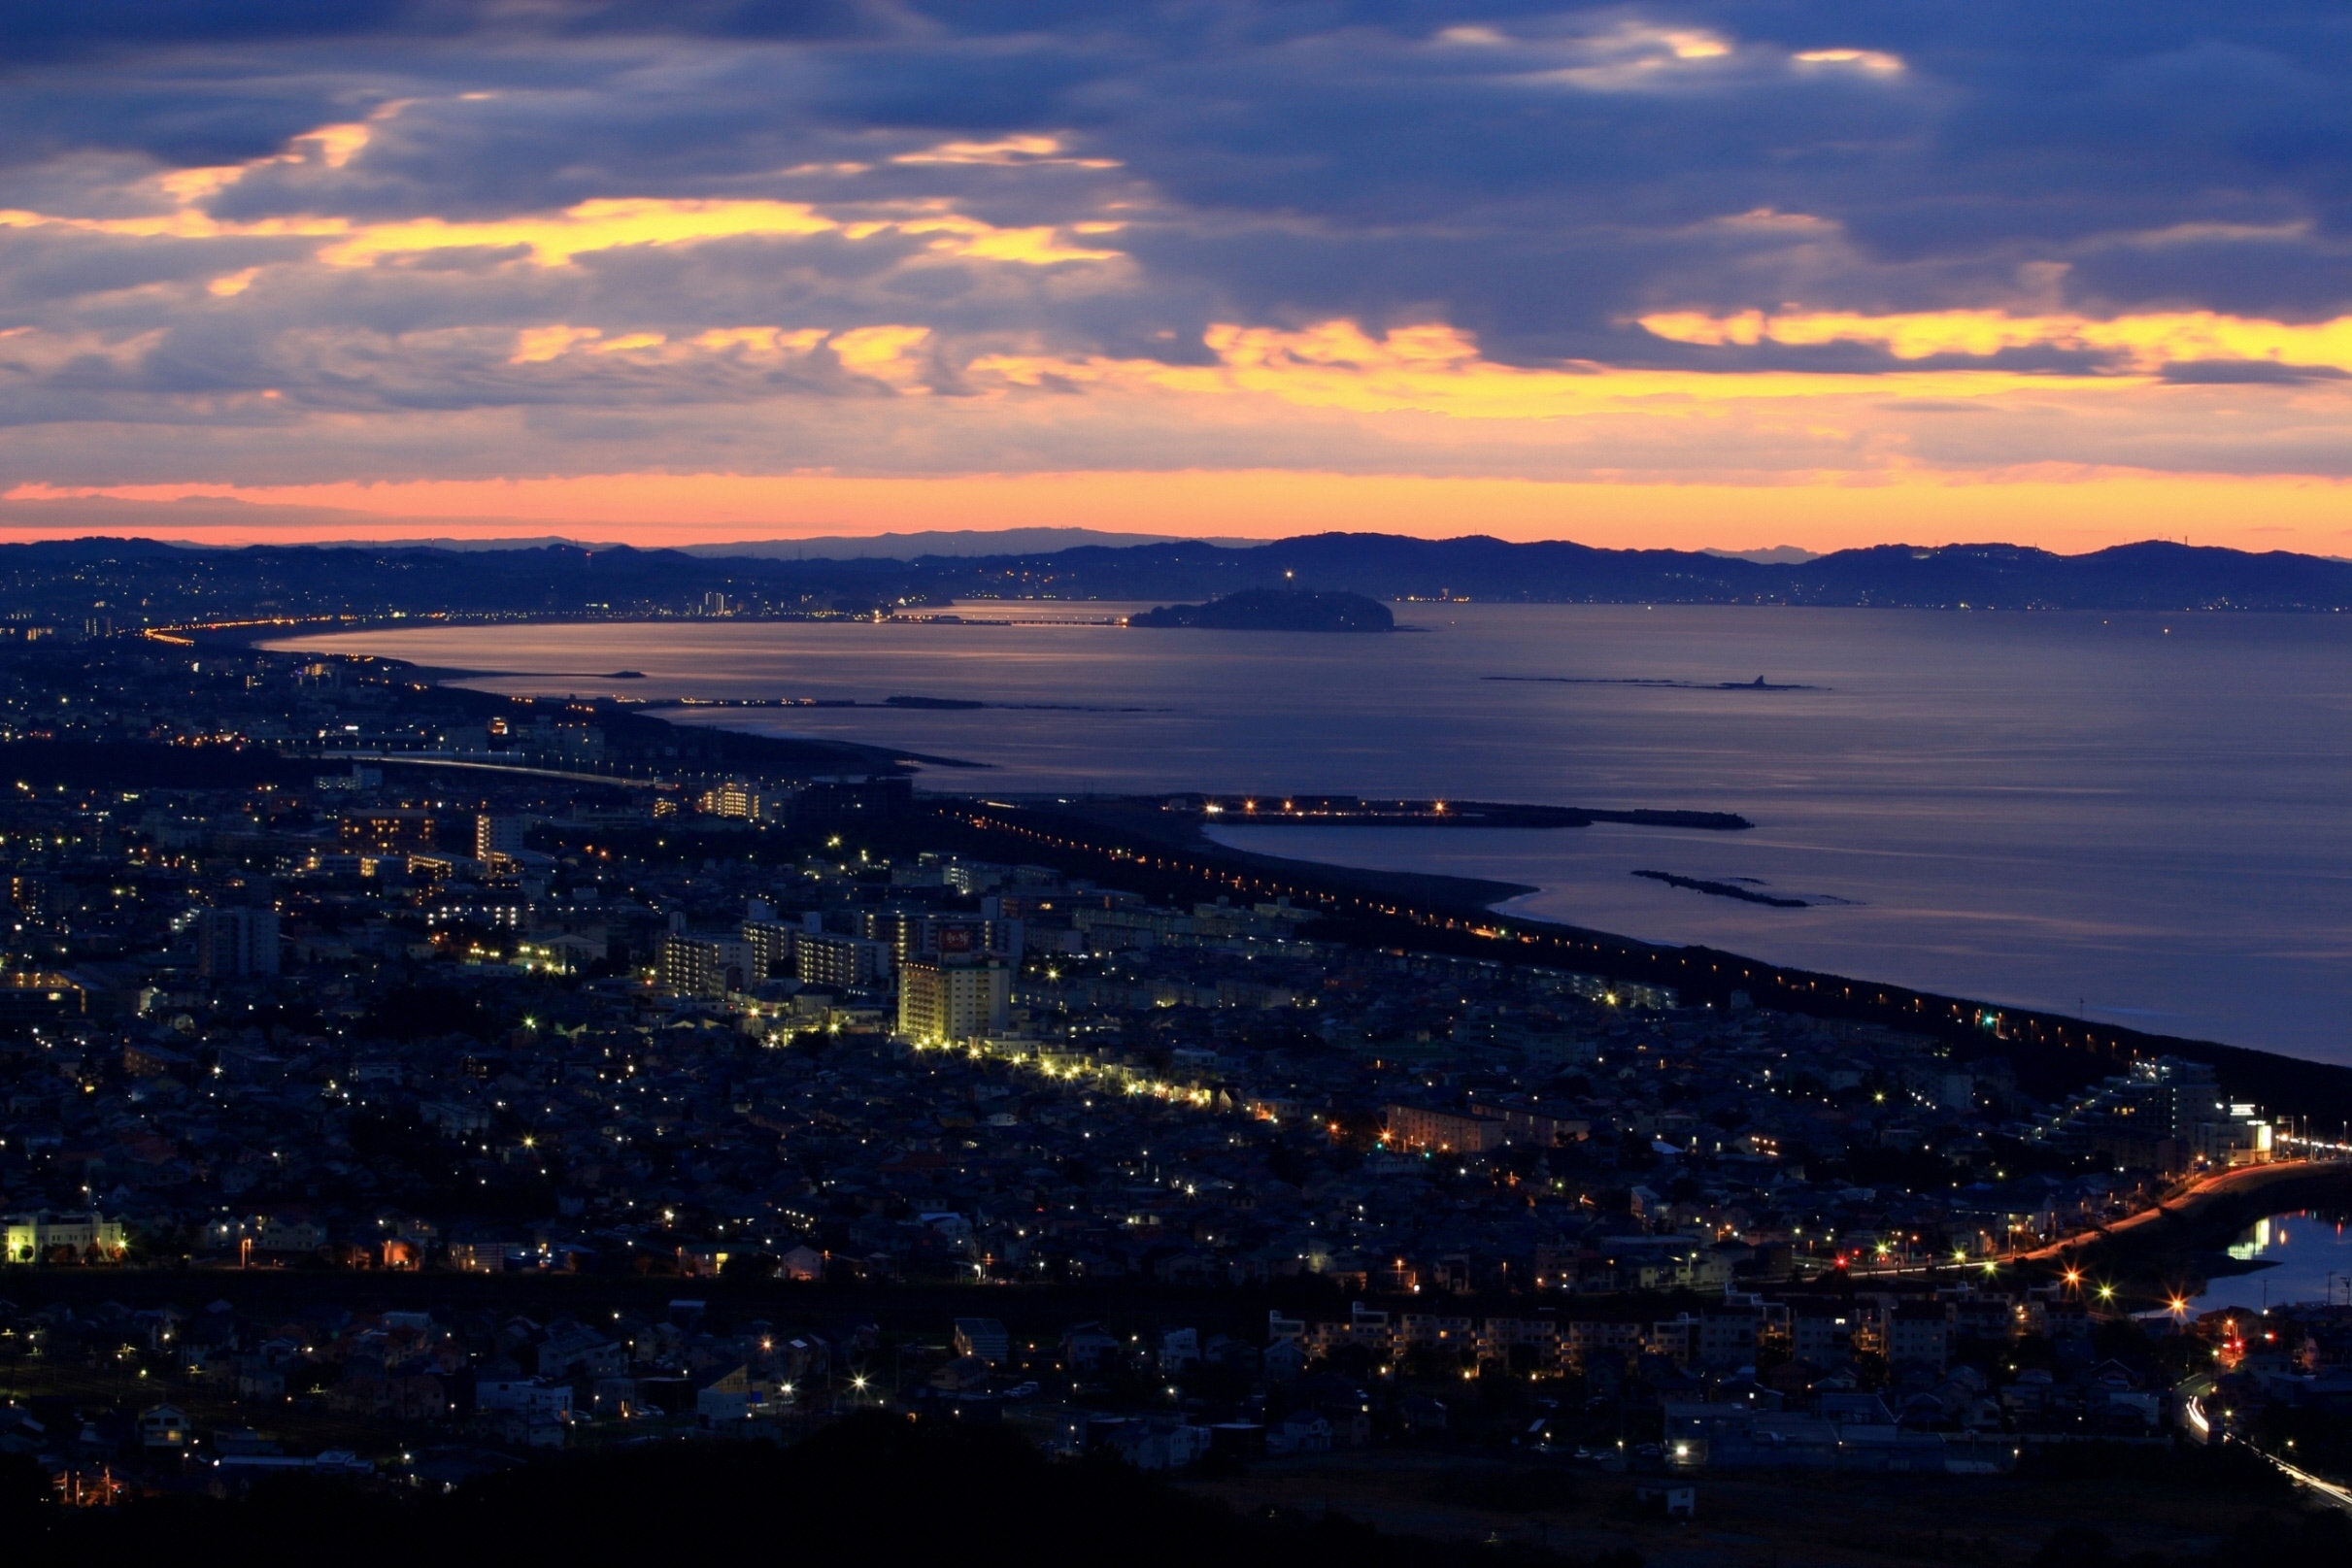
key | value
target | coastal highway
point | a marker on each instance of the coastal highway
(2193, 1204)
(2217, 1205)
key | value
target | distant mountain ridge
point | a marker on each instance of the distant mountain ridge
(908, 547)
(77, 582)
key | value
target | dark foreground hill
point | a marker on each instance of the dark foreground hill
(874, 1489)
(881, 1489)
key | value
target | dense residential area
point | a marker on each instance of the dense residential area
(398, 1119)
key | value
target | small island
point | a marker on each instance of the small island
(1275, 610)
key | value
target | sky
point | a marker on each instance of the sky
(1729, 272)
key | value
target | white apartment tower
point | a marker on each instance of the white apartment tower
(498, 838)
(942, 1001)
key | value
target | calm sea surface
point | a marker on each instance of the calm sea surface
(2144, 818)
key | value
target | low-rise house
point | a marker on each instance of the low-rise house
(163, 1427)
(1300, 1434)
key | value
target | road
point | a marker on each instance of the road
(2180, 1204)
(2189, 1206)
(2329, 1489)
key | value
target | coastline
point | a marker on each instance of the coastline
(1417, 912)
(2130, 932)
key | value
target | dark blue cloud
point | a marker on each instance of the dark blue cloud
(119, 27)
(1540, 178)
(30, 32)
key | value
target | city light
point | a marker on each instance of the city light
(1469, 1152)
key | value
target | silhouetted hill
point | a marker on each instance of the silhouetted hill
(141, 581)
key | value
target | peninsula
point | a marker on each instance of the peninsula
(1350, 811)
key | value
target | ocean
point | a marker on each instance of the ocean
(2141, 818)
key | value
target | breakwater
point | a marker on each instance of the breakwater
(1722, 889)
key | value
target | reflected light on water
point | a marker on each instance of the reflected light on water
(2305, 1257)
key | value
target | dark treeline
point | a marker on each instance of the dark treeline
(876, 1488)
(882, 1488)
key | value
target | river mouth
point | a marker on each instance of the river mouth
(2284, 1260)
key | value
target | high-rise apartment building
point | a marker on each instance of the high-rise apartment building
(234, 943)
(497, 839)
(734, 798)
(829, 958)
(705, 966)
(912, 933)
(773, 945)
(946, 1000)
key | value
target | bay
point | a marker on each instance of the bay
(2139, 817)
